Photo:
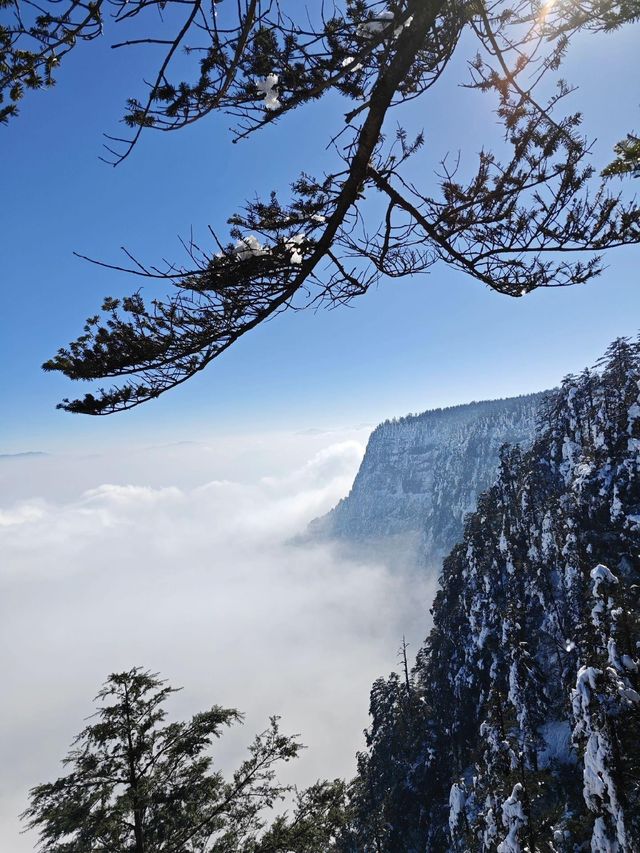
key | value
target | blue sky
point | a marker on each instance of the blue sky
(406, 346)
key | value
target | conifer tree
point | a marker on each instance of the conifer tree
(34, 38)
(137, 784)
(537, 217)
(606, 708)
(627, 161)
(533, 662)
(394, 772)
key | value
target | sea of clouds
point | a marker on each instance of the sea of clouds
(183, 559)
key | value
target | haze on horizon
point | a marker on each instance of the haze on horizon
(200, 582)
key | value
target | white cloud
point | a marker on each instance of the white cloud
(195, 580)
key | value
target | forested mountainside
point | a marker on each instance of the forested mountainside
(518, 729)
(423, 473)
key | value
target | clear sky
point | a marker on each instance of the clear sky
(407, 346)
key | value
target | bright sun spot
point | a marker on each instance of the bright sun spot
(546, 7)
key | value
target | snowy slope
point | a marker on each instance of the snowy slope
(423, 473)
(519, 727)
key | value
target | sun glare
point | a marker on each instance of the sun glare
(545, 8)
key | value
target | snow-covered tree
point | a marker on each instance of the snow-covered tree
(515, 821)
(533, 661)
(606, 709)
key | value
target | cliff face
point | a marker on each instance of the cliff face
(518, 727)
(423, 473)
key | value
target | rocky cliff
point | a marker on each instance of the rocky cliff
(422, 474)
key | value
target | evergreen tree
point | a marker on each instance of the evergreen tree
(606, 709)
(321, 821)
(627, 161)
(532, 666)
(537, 217)
(388, 800)
(137, 784)
(34, 38)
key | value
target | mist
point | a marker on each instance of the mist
(184, 559)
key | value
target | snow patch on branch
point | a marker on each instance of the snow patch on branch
(249, 247)
(609, 834)
(457, 802)
(293, 244)
(347, 62)
(513, 819)
(602, 574)
(381, 22)
(267, 87)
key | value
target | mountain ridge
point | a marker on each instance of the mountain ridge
(517, 728)
(422, 473)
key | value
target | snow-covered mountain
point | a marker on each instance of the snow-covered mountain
(422, 474)
(518, 728)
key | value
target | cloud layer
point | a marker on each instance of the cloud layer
(198, 582)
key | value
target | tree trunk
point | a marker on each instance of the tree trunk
(138, 830)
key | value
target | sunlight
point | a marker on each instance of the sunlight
(545, 8)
